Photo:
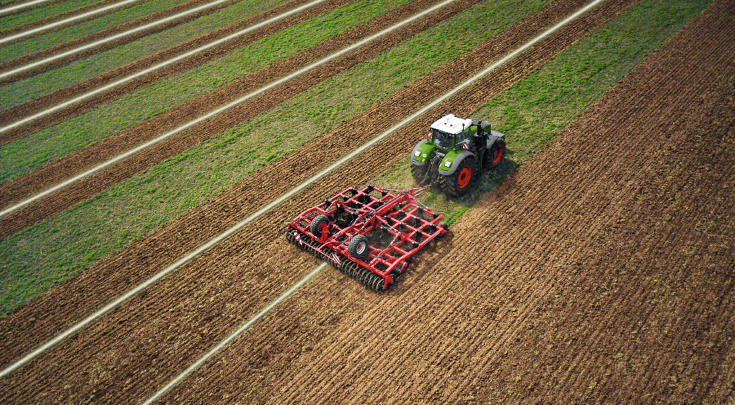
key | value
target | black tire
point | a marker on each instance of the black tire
(494, 156)
(358, 247)
(419, 172)
(459, 182)
(316, 223)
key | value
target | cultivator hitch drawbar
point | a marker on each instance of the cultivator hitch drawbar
(369, 234)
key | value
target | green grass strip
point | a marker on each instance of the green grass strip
(540, 106)
(33, 87)
(32, 151)
(58, 248)
(51, 9)
(56, 37)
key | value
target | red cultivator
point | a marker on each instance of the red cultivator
(369, 234)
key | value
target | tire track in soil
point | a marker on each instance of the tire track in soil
(56, 172)
(53, 50)
(57, 97)
(53, 19)
(145, 375)
(362, 365)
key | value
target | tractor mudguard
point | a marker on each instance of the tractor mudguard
(424, 150)
(494, 136)
(455, 159)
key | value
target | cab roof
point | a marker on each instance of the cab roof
(451, 124)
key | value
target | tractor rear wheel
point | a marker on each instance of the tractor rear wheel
(358, 247)
(458, 183)
(494, 155)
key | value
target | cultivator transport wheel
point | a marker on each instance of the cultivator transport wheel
(359, 247)
(369, 234)
(494, 156)
(458, 183)
(316, 225)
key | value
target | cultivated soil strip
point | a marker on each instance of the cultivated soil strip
(116, 30)
(581, 279)
(36, 181)
(19, 6)
(53, 19)
(29, 108)
(177, 320)
(71, 21)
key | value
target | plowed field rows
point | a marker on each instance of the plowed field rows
(142, 260)
(601, 271)
(26, 59)
(64, 168)
(55, 98)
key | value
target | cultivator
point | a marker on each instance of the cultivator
(369, 234)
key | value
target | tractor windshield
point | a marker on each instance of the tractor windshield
(442, 139)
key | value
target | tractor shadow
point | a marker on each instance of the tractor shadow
(491, 185)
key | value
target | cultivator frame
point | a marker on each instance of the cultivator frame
(343, 230)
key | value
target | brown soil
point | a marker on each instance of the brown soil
(58, 171)
(102, 34)
(179, 318)
(600, 272)
(59, 96)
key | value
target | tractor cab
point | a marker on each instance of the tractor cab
(450, 132)
(455, 149)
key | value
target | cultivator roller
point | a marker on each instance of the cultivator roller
(370, 234)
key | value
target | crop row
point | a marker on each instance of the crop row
(186, 180)
(52, 80)
(51, 143)
(92, 230)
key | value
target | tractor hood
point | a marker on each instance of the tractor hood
(422, 152)
(451, 161)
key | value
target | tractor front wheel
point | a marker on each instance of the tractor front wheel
(458, 183)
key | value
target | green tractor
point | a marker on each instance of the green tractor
(454, 152)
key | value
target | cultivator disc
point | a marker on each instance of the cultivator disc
(369, 234)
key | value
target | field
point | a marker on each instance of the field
(594, 266)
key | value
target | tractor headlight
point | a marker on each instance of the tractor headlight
(417, 153)
(447, 163)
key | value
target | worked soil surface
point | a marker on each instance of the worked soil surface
(600, 272)
(179, 318)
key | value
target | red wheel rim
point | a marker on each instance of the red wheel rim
(498, 154)
(464, 177)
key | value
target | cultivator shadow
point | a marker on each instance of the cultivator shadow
(369, 234)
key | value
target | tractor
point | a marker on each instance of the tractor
(454, 152)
